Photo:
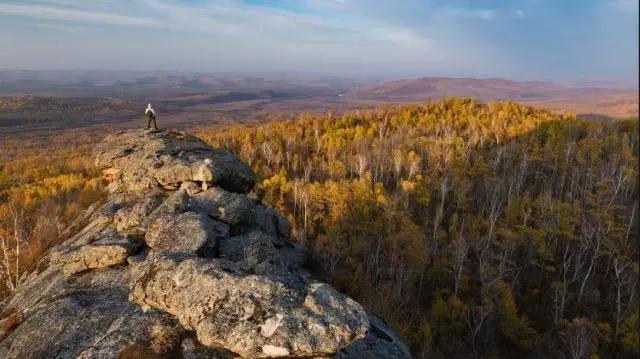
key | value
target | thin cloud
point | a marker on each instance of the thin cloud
(625, 4)
(484, 14)
(73, 15)
(326, 4)
(421, 37)
(519, 13)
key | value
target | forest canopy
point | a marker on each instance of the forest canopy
(490, 229)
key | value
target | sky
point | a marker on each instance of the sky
(551, 40)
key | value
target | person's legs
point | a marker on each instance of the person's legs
(155, 126)
(148, 122)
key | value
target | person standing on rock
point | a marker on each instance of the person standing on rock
(150, 115)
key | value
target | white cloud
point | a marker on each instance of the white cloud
(234, 35)
(423, 37)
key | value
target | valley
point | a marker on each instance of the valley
(37, 103)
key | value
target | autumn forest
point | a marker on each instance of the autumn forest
(474, 230)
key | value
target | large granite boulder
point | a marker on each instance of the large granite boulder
(241, 212)
(188, 232)
(254, 316)
(128, 219)
(99, 254)
(86, 315)
(139, 160)
(228, 207)
(177, 263)
(250, 248)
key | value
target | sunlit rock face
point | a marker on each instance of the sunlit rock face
(178, 262)
(140, 160)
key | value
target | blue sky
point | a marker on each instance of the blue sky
(558, 40)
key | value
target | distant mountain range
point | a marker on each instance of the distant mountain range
(161, 85)
(580, 100)
(53, 100)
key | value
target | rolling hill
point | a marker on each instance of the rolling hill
(579, 100)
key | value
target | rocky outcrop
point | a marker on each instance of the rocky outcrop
(99, 254)
(139, 160)
(178, 262)
(255, 316)
(188, 232)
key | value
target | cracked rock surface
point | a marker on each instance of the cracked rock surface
(138, 160)
(178, 262)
